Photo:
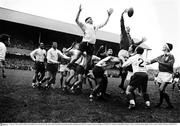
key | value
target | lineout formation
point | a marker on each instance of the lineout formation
(80, 62)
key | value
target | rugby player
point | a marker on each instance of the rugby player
(126, 43)
(72, 51)
(89, 37)
(166, 62)
(138, 79)
(38, 56)
(63, 68)
(52, 64)
(4, 40)
(100, 77)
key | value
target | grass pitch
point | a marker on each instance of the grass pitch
(20, 103)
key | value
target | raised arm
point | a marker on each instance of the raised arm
(63, 56)
(72, 45)
(123, 30)
(110, 11)
(80, 24)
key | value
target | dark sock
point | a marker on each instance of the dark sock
(167, 99)
(161, 99)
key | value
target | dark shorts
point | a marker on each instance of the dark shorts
(80, 69)
(2, 63)
(72, 66)
(88, 47)
(139, 79)
(98, 72)
(53, 68)
(39, 66)
(129, 68)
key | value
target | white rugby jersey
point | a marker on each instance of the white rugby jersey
(138, 63)
(2, 51)
(53, 54)
(89, 33)
(39, 54)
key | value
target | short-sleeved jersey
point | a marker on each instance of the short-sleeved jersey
(39, 54)
(138, 63)
(53, 55)
(89, 33)
(2, 51)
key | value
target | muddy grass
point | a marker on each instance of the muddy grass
(19, 102)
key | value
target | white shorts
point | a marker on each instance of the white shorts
(164, 77)
(63, 68)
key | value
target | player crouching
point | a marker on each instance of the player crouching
(139, 78)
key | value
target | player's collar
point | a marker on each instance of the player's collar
(166, 54)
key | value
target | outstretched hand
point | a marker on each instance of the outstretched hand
(125, 11)
(80, 7)
(110, 11)
(144, 39)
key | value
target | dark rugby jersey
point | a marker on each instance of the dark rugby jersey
(166, 62)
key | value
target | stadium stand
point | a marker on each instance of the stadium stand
(19, 62)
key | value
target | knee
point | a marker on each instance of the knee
(128, 92)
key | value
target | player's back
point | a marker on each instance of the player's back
(138, 63)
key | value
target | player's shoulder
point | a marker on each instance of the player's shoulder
(133, 57)
(59, 51)
(49, 50)
(2, 44)
(44, 50)
(36, 49)
(171, 55)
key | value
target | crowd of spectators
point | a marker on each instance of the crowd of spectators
(28, 44)
(19, 62)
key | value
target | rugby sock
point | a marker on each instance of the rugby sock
(104, 85)
(3, 73)
(134, 96)
(66, 83)
(130, 96)
(34, 81)
(167, 99)
(146, 97)
(161, 99)
(61, 81)
(123, 78)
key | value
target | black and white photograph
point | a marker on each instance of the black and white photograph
(89, 62)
